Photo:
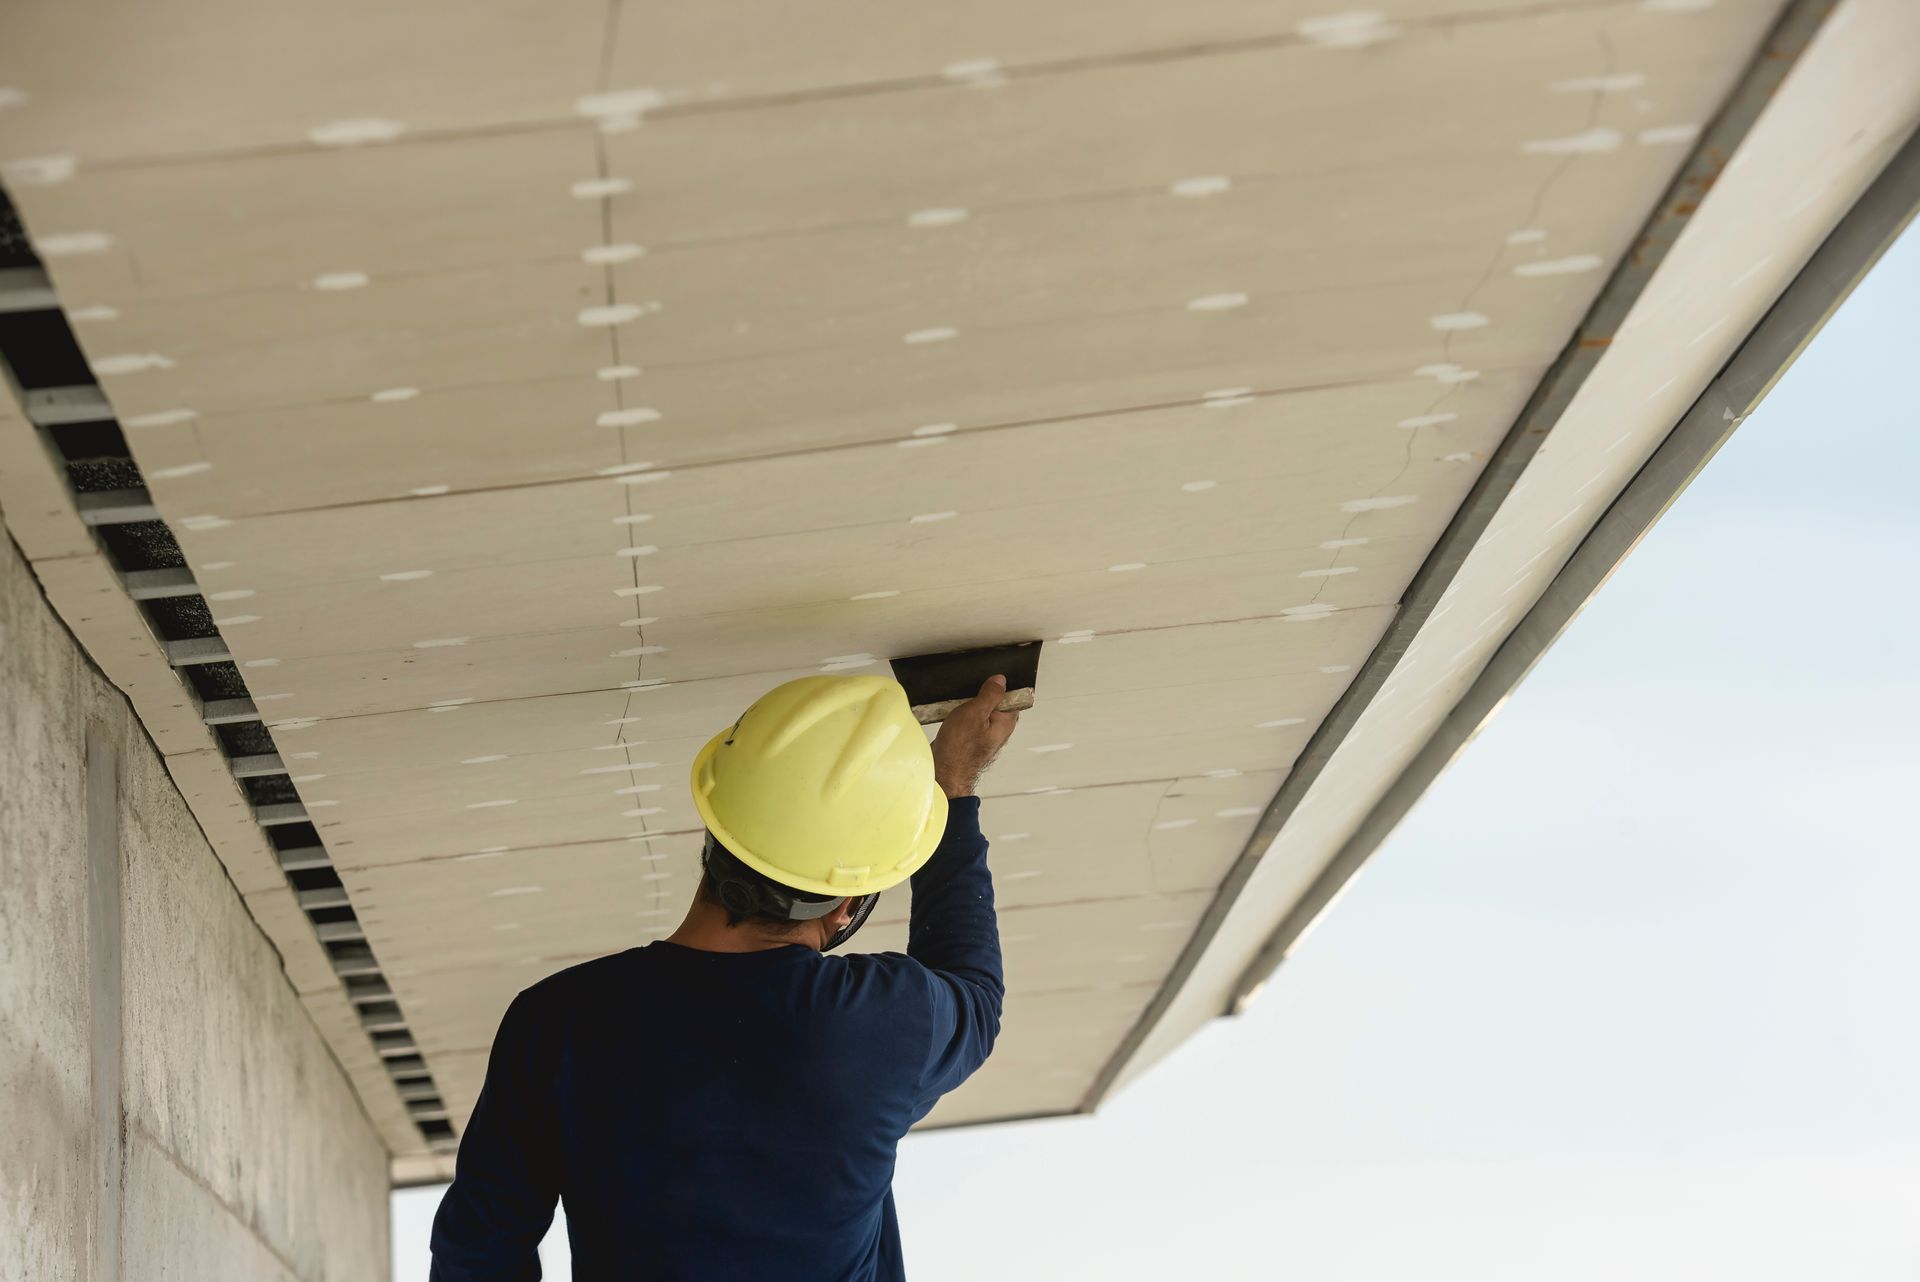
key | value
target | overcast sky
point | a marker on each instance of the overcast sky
(1630, 996)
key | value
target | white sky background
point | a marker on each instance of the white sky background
(1631, 995)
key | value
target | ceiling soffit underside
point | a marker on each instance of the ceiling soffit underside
(519, 450)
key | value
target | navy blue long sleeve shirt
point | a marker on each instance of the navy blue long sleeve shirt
(726, 1117)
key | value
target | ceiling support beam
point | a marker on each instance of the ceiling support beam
(1716, 145)
(1854, 246)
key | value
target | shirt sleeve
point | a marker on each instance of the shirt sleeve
(505, 1183)
(953, 933)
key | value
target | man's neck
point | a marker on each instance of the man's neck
(705, 928)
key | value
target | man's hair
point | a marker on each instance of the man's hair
(746, 893)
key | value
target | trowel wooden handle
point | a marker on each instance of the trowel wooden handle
(928, 713)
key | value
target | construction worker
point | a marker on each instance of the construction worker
(724, 1105)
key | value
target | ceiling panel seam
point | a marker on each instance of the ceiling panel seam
(662, 107)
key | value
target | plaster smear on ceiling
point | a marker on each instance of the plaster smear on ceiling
(527, 405)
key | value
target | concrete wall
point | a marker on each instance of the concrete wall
(167, 1109)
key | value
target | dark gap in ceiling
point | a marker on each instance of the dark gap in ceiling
(245, 739)
(215, 680)
(269, 790)
(301, 836)
(313, 878)
(142, 545)
(41, 350)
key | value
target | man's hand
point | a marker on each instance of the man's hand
(971, 737)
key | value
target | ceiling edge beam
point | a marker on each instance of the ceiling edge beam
(1868, 230)
(1778, 53)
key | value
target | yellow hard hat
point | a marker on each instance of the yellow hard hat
(826, 785)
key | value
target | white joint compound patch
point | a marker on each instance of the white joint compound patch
(1202, 187)
(1571, 265)
(175, 473)
(634, 417)
(1667, 135)
(1217, 302)
(72, 244)
(406, 576)
(1447, 372)
(130, 363)
(975, 71)
(1222, 398)
(617, 314)
(359, 132)
(1526, 236)
(394, 395)
(1457, 320)
(1348, 29)
(1425, 420)
(1612, 82)
(1585, 143)
(600, 188)
(938, 217)
(624, 252)
(336, 281)
(616, 373)
(40, 171)
(936, 334)
(160, 418)
(620, 103)
(1381, 504)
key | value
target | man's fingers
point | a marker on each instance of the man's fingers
(992, 690)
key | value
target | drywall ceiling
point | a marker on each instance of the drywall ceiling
(532, 385)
